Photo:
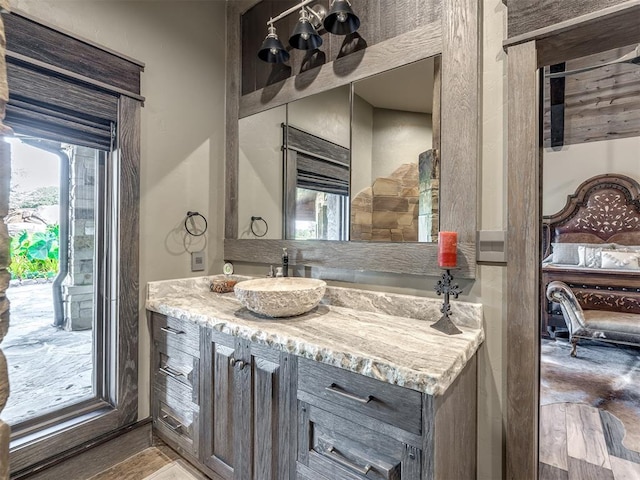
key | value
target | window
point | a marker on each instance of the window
(72, 92)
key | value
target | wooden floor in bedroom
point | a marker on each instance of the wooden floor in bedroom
(581, 442)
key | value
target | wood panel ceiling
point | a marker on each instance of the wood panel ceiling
(601, 104)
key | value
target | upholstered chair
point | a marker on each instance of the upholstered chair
(617, 327)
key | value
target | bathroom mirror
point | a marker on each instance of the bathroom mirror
(395, 170)
(343, 166)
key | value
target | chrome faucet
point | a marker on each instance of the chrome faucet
(285, 263)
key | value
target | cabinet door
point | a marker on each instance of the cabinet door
(220, 398)
(266, 431)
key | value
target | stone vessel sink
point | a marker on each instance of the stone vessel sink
(280, 297)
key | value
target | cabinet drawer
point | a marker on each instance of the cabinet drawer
(178, 424)
(173, 366)
(171, 386)
(334, 447)
(174, 394)
(170, 332)
(388, 403)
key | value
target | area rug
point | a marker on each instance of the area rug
(605, 376)
(173, 471)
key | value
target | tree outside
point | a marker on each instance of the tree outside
(33, 219)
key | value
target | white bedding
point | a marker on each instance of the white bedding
(576, 268)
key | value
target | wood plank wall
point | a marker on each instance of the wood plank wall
(528, 15)
(380, 21)
(601, 104)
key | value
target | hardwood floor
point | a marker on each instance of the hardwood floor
(582, 442)
(145, 463)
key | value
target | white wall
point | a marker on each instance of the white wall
(566, 168)
(490, 283)
(398, 137)
(183, 47)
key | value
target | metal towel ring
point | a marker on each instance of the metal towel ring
(189, 230)
(266, 226)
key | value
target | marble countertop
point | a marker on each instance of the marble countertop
(380, 335)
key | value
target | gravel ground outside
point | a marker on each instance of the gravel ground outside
(49, 368)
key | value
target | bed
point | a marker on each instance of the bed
(593, 246)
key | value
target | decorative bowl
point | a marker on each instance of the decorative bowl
(281, 296)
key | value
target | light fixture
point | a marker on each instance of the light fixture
(341, 20)
(305, 36)
(272, 50)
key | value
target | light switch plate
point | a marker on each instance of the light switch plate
(197, 261)
(492, 246)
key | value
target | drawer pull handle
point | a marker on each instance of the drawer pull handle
(335, 455)
(364, 400)
(166, 370)
(172, 331)
(172, 423)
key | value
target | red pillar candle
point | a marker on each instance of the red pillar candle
(447, 249)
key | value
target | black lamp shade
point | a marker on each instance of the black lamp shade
(273, 51)
(305, 29)
(341, 20)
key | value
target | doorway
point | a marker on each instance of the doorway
(589, 416)
(50, 347)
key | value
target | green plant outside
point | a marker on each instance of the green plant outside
(35, 255)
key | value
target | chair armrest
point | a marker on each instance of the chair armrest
(559, 292)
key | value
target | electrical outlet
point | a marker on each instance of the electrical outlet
(197, 261)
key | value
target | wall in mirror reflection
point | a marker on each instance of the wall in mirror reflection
(395, 174)
(260, 173)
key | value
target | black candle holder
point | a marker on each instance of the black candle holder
(444, 286)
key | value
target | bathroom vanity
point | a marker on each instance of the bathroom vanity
(360, 387)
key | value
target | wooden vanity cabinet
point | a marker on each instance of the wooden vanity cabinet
(247, 414)
(254, 413)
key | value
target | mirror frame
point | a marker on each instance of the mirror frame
(456, 37)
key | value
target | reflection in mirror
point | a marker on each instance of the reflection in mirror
(317, 167)
(260, 174)
(395, 164)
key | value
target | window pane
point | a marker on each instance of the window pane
(320, 215)
(51, 222)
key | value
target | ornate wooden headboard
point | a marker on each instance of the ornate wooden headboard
(604, 209)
